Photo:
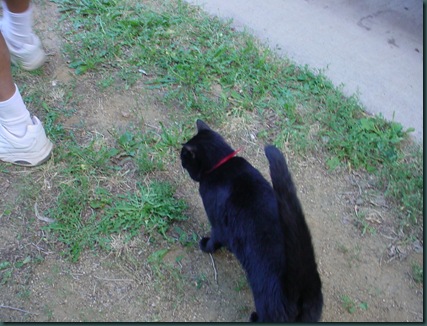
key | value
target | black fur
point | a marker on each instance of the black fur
(263, 227)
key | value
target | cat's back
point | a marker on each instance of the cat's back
(239, 200)
(239, 183)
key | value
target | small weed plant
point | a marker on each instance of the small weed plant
(87, 213)
(151, 208)
(417, 273)
(351, 306)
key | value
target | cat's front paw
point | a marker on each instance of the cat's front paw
(204, 244)
(209, 245)
(254, 317)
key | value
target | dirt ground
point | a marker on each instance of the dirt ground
(367, 276)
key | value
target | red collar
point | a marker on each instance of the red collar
(224, 160)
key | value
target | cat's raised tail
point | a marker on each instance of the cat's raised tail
(282, 181)
(302, 283)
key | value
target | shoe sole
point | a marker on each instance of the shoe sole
(35, 162)
(35, 64)
(31, 165)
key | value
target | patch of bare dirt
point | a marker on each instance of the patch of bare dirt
(367, 276)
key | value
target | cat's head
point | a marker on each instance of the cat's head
(203, 151)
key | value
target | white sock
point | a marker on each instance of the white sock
(14, 115)
(17, 28)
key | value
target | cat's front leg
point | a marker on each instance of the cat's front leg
(209, 245)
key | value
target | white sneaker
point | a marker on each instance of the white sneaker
(32, 149)
(28, 56)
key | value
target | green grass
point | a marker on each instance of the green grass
(8, 268)
(403, 182)
(151, 207)
(87, 213)
(350, 305)
(417, 273)
(202, 68)
(188, 54)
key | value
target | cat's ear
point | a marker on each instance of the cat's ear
(201, 125)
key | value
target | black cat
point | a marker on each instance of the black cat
(263, 227)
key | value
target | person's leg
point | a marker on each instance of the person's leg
(22, 139)
(7, 87)
(18, 6)
(17, 28)
(14, 115)
(17, 22)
